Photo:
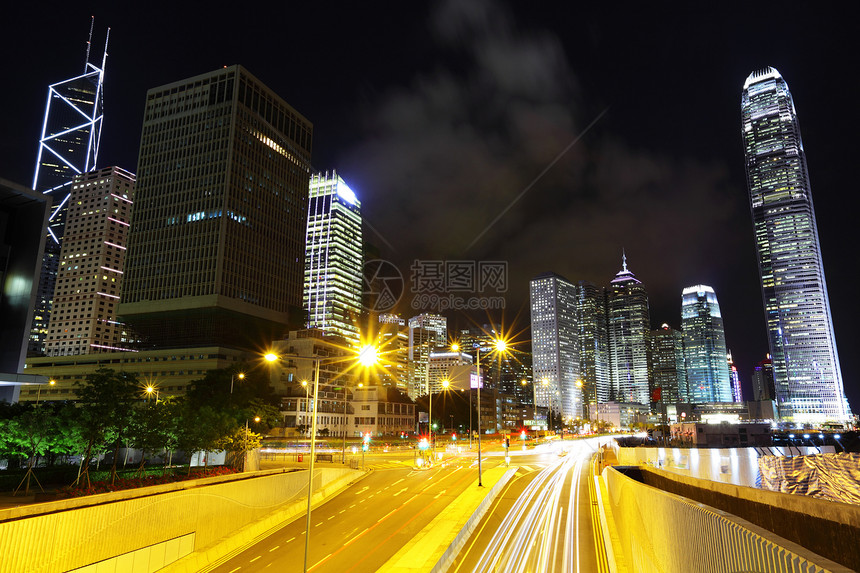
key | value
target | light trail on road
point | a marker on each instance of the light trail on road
(541, 531)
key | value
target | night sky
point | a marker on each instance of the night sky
(440, 115)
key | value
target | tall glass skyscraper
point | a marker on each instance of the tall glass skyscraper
(807, 375)
(708, 377)
(555, 345)
(668, 369)
(68, 147)
(629, 327)
(594, 364)
(333, 258)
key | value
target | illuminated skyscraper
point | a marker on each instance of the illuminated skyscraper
(629, 325)
(594, 363)
(68, 146)
(217, 245)
(89, 280)
(737, 394)
(668, 370)
(704, 346)
(555, 345)
(807, 375)
(333, 258)
(426, 332)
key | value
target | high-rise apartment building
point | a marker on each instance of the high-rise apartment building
(92, 258)
(555, 345)
(594, 362)
(216, 253)
(807, 375)
(704, 346)
(68, 147)
(333, 258)
(628, 321)
(668, 371)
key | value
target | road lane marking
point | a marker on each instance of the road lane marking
(273, 548)
(330, 518)
(438, 495)
(362, 490)
(290, 539)
(401, 491)
(320, 562)
(255, 558)
(397, 482)
(389, 513)
(234, 570)
(342, 511)
(318, 524)
(356, 537)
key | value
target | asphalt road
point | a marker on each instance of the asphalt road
(542, 520)
(365, 525)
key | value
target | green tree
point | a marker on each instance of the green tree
(201, 429)
(105, 400)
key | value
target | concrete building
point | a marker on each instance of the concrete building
(23, 219)
(668, 370)
(92, 258)
(216, 253)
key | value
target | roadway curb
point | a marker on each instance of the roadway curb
(433, 536)
(211, 557)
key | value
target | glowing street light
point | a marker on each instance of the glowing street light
(240, 376)
(39, 390)
(150, 390)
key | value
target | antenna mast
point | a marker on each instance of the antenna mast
(89, 41)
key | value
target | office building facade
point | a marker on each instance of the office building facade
(216, 253)
(708, 376)
(668, 370)
(628, 319)
(594, 359)
(555, 345)
(92, 259)
(807, 375)
(333, 258)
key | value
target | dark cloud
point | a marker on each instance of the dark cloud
(451, 152)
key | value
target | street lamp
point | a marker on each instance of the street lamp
(499, 347)
(39, 390)
(240, 375)
(445, 384)
(367, 356)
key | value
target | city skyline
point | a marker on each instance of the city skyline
(646, 147)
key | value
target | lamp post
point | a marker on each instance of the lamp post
(245, 442)
(241, 376)
(499, 346)
(307, 399)
(367, 357)
(39, 390)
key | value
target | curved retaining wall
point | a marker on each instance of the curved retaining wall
(660, 531)
(148, 527)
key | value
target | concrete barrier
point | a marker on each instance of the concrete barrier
(660, 531)
(149, 527)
